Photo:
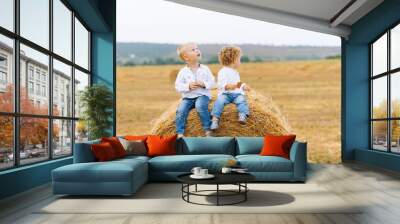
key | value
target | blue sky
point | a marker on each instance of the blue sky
(166, 22)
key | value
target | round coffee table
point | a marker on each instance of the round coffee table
(238, 179)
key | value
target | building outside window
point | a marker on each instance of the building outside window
(37, 75)
(3, 61)
(3, 71)
(43, 90)
(44, 77)
(30, 87)
(3, 78)
(38, 89)
(30, 72)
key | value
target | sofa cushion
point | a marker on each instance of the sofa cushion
(137, 137)
(277, 145)
(185, 163)
(161, 145)
(116, 145)
(206, 145)
(134, 147)
(103, 152)
(132, 160)
(112, 171)
(249, 145)
(257, 163)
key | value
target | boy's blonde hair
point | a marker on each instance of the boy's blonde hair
(229, 55)
(182, 49)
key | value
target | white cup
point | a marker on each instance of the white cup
(226, 170)
(196, 171)
(203, 172)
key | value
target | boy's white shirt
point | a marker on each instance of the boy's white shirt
(186, 76)
(227, 75)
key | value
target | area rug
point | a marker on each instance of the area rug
(166, 198)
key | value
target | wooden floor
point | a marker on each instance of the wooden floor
(377, 188)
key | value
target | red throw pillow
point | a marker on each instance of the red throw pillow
(136, 137)
(161, 145)
(277, 145)
(103, 152)
(116, 145)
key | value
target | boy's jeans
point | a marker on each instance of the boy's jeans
(226, 98)
(201, 105)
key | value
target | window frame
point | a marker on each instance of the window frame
(16, 113)
(388, 74)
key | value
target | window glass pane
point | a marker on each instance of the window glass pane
(395, 94)
(395, 138)
(6, 142)
(62, 29)
(379, 135)
(34, 72)
(81, 131)
(379, 97)
(81, 45)
(7, 14)
(33, 139)
(62, 138)
(6, 74)
(34, 21)
(62, 89)
(81, 81)
(395, 47)
(379, 55)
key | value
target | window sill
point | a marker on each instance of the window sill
(30, 166)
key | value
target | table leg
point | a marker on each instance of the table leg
(182, 189)
(217, 194)
(195, 188)
(245, 193)
(188, 190)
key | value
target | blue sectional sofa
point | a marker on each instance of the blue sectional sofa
(125, 176)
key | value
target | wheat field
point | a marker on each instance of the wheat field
(308, 93)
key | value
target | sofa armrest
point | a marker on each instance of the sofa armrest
(298, 155)
(83, 152)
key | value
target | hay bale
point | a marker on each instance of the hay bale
(265, 118)
(172, 75)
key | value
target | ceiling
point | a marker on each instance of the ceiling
(326, 16)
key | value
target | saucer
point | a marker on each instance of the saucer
(208, 176)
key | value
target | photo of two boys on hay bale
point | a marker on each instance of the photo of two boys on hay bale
(223, 107)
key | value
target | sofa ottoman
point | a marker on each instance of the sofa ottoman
(119, 177)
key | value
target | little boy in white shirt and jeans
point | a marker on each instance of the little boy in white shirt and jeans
(194, 82)
(231, 89)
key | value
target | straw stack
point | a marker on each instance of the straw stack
(265, 118)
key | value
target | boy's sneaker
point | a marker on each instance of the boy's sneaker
(242, 118)
(209, 134)
(214, 124)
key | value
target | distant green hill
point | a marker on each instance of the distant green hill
(155, 53)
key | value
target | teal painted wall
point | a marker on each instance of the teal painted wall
(100, 16)
(103, 64)
(24, 178)
(104, 54)
(355, 85)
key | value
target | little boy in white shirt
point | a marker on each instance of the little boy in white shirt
(194, 82)
(230, 88)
